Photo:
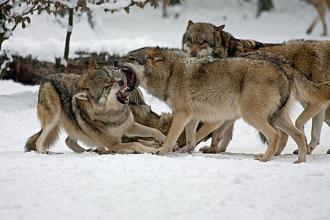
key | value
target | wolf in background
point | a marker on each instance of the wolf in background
(321, 7)
(310, 57)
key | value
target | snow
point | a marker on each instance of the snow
(88, 186)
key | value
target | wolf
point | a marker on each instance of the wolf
(205, 39)
(223, 44)
(312, 58)
(91, 108)
(216, 91)
(321, 7)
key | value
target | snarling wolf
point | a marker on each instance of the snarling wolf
(93, 109)
(215, 91)
(310, 57)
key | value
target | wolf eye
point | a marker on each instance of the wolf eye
(121, 82)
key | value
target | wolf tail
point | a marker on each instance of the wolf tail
(31, 143)
(255, 45)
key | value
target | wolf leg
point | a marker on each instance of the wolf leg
(282, 144)
(227, 137)
(206, 129)
(272, 135)
(49, 111)
(321, 12)
(49, 128)
(312, 26)
(49, 117)
(73, 145)
(179, 122)
(309, 112)
(224, 134)
(190, 137)
(134, 146)
(316, 130)
(144, 131)
(284, 122)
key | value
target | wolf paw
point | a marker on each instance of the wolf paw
(261, 158)
(299, 161)
(152, 144)
(186, 149)
(153, 151)
(202, 149)
(101, 150)
(208, 150)
(162, 151)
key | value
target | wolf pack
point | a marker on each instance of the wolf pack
(212, 81)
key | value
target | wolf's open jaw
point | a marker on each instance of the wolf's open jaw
(130, 77)
(122, 95)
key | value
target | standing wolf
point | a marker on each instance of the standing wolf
(321, 7)
(91, 108)
(222, 90)
(310, 57)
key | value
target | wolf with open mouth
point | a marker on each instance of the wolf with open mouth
(92, 108)
(215, 91)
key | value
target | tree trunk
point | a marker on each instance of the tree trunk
(164, 10)
(68, 36)
(264, 5)
(2, 23)
(30, 71)
(2, 39)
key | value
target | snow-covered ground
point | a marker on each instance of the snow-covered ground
(89, 186)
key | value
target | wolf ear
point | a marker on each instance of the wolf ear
(190, 22)
(220, 28)
(93, 64)
(81, 95)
